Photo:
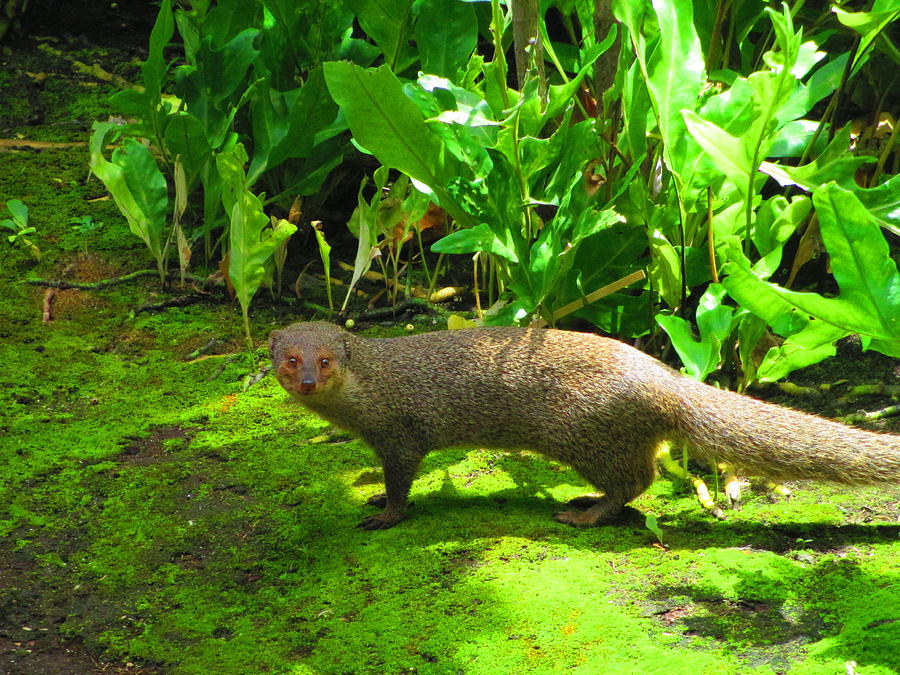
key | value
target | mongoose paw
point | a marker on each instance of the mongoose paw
(379, 500)
(576, 518)
(379, 522)
(583, 502)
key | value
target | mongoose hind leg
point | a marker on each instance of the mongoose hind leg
(619, 481)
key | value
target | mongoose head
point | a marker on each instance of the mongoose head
(309, 358)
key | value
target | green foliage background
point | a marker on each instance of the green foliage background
(721, 143)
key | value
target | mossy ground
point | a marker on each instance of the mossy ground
(156, 517)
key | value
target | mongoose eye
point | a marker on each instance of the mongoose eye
(292, 360)
(325, 362)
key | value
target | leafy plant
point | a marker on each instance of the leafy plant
(18, 223)
(715, 321)
(85, 225)
(709, 168)
(253, 237)
(489, 172)
(137, 186)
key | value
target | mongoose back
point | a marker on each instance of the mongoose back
(594, 403)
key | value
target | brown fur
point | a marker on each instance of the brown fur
(594, 403)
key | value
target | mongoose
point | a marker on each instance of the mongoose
(594, 403)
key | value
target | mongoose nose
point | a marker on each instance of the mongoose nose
(307, 385)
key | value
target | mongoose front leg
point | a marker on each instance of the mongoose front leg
(398, 477)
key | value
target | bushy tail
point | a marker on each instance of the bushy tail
(768, 440)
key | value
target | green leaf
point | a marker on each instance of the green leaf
(155, 67)
(210, 88)
(860, 261)
(793, 139)
(286, 124)
(812, 344)
(388, 23)
(251, 240)
(475, 239)
(714, 320)
(446, 34)
(136, 185)
(675, 76)
(385, 122)
(732, 156)
(869, 24)
(665, 269)
(19, 212)
(185, 137)
(834, 164)
(883, 203)
(869, 303)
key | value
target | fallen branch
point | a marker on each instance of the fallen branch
(178, 301)
(877, 389)
(890, 411)
(64, 285)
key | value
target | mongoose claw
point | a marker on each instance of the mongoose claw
(576, 518)
(379, 522)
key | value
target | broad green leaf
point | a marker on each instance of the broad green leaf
(460, 118)
(220, 74)
(869, 302)
(714, 320)
(155, 67)
(883, 203)
(834, 164)
(822, 83)
(812, 344)
(675, 76)
(475, 239)
(870, 24)
(18, 211)
(860, 261)
(185, 138)
(792, 140)
(136, 185)
(446, 34)
(732, 110)
(285, 124)
(665, 269)
(635, 107)
(695, 355)
(251, 239)
(389, 24)
(390, 126)
(732, 156)
(776, 220)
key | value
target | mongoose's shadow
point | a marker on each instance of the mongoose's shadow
(530, 499)
(628, 528)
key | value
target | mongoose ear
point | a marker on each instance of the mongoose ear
(273, 341)
(346, 343)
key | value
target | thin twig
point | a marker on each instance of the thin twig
(63, 285)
